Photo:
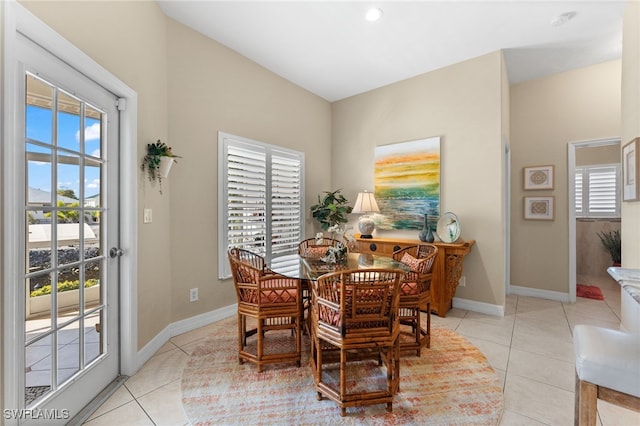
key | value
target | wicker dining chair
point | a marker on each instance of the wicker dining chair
(355, 317)
(314, 249)
(272, 301)
(415, 294)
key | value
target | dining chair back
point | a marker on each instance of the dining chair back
(354, 317)
(316, 248)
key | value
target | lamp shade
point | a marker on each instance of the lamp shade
(365, 203)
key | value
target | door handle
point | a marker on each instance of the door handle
(115, 252)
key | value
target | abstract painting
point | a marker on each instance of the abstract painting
(407, 183)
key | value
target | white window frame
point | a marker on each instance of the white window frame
(586, 172)
(225, 141)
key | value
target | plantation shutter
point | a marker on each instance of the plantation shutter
(597, 191)
(602, 191)
(579, 209)
(286, 203)
(260, 199)
(247, 197)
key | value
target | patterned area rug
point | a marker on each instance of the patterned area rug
(449, 384)
(589, 292)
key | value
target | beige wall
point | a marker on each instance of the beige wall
(631, 126)
(213, 88)
(547, 114)
(462, 105)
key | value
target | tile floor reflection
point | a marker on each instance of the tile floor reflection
(530, 348)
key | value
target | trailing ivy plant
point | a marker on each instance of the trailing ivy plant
(332, 209)
(151, 161)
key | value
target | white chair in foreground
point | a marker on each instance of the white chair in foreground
(607, 368)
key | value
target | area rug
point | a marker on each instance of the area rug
(589, 292)
(449, 384)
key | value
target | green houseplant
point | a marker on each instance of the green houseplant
(613, 243)
(332, 209)
(157, 162)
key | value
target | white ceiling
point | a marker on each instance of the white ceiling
(328, 48)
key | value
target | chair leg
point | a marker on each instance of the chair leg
(428, 325)
(241, 337)
(260, 342)
(343, 379)
(299, 340)
(586, 403)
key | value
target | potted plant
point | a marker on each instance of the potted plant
(158, 161)
(613, 243)
(332, 209)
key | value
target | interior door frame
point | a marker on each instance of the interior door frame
(571, 193)
(16, 19)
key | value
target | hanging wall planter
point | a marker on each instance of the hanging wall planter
(157, 162)
(165, 166)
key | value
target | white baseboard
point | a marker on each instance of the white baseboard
(480, 307)
(180, 327)
(542, 294)
(188, 324)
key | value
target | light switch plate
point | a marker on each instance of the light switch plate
(148, 216)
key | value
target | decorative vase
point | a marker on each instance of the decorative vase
(426, 235)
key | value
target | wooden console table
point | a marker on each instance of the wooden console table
(447, 268)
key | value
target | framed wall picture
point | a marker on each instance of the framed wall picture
(538, 177)
(407, 183)
(538, 208)
(630, 172)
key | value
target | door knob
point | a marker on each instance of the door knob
(115, 252)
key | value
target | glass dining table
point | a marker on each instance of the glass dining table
(307, 269)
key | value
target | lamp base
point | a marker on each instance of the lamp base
(366, 226)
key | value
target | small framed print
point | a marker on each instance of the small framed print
(630, 171)
(538, 177)
(538, 208)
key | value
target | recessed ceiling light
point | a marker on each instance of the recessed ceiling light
(373, 14)
(556, 21)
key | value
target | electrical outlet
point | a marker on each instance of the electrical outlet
(193, 295)
(462, 282)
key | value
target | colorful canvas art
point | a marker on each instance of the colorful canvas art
(407, 183)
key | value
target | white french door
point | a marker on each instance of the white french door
(66, 347)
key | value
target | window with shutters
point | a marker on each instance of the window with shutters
(261, 193)
(598, 191)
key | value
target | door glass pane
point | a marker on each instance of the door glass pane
(38, 114)
(39, 183)
(68, 122)
(68, 351)
(92, 293)
(38, 240)
(37, 369)
(38, 289)
(92, 184)
(93, 337)
(68, 296)
(93, 132)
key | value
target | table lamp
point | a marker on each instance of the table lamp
(366, 203)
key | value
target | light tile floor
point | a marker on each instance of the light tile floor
(530, 348)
